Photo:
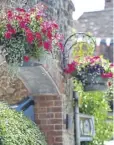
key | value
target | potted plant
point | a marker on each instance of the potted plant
(92, 71)
(28, 34)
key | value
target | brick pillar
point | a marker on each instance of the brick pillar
(48, 116)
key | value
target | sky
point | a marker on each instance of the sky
(86, 6)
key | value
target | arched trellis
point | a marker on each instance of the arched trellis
(82, 37)
(71, 41)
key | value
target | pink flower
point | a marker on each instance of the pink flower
(26, 58)
(60, 46)
(59, 36)
(71, 67)
(8, 35)
(107, 75)
(47, 45)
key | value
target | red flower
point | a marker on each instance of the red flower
(20, 10)
(107, 75)
(96, 57)
(49, 34)
(61, 46)
(8, 35)
(11, 29)
(40, 43)
(26, 58)
(19, 18)
(38, 17)
(38, 36)
(54, 25)
(9, 14)
(22, 24)
(71, 67)
(47, 45)
(9, 26)
(29, 36)
(43, 31)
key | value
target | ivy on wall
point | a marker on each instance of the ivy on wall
(96, 104)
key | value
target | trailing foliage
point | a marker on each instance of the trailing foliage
(16, 129)
(96, 104)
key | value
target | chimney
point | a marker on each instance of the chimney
(108, 4)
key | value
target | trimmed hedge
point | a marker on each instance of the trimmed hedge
(16, 129)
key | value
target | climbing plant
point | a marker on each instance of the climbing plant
(96, 104)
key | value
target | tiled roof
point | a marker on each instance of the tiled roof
(99, 23)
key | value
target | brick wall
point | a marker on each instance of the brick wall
(49, 117)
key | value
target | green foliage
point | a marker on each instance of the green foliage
(16, 129)
(96, 104)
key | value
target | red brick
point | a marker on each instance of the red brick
(58, 139)
(58, 115)
(53, 97)
(54, 121)
(58, 103)
(47, 127)
(45, 115)
(50, 139)
(58, 127)
(40, 122)
(58, 144)
(40, 110)
(55, 133)
(54, 109)
(46, 103)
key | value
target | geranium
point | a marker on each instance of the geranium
(30, 34)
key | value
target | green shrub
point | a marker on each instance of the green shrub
(16, 129)
(96, 104)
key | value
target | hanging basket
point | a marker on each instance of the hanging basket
(92, 82)
(96, 83)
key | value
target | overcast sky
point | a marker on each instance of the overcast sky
(87, 5)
